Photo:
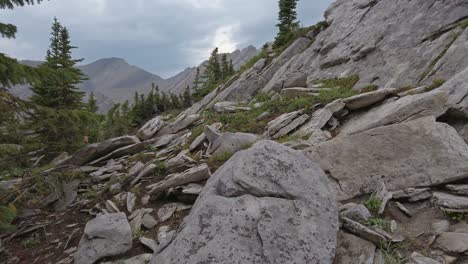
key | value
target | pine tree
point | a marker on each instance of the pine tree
(186, 97)
(92, 104)
(224, 67)
(58, 90)
(287, 22)
(213, 72)
(231, 68)
(11, 71)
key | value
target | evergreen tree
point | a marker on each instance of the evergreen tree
(92, 104)
(231, 68)
(186, 97)
(58, 90)
(287, 22)
(213, 72)
(11, 71)
(224, 67)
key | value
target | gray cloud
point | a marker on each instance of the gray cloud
(161, 36)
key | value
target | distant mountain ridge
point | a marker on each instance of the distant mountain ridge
(113, 80)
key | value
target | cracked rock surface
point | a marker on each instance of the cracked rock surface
(267, 204)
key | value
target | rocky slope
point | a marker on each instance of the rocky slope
(313, 172)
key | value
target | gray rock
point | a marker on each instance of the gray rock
(383, 195)
(367, 99)
(140, 259)
(149, 169)
(352, 161)
(267, 204)
(405, 109)
(212, 133)
(195, 174)
(231, 143)
(60, 158)
(181, 123)
(166, 211)
(417, 258)
(106, 235)
(197, 142)
(379, 257)
(291, 126)
(413, 194)
(9, 185)
(298, 92)
(150, 243)
(457, 92)
(363, 231)
(229, 107)
(357, 213)
(148, 221)
(127, 150)
(150, 128)
(440, 226)
(180, 163)
(320, 118)
(135, 169)
(164, 140)
(97, 150)
(452, 242)
(461, 189)
(283, 120)
(450, 201)
(352, 249)
(131, 200)
(68, 195)
(405, 210)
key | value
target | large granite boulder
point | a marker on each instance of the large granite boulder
(231, 143)
(418, 153)
(267, 204)
(97, 150)
(104, 236)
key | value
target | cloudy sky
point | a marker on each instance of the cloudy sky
(161, 36)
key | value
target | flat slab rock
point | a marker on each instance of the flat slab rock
(104, 236)
(418, 153)
(267, 204)
(352, 249)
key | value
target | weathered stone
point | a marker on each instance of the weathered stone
(402, 110)
(166, 211)
(291, 126)
(195, 174)
(192, 188)
(352, 249)
(106, 235)
(150, 243)
(283, 120)
(60, 158)
(181, 123)
(357, 213)
(164, 140)
(231, 143)
(320, 118)
(367, 99)
(412, 194)
(69, 195)
(400, 155)
(363, 231)
(148, 221)
(131, 200)
(146, 171)
(212, 133)
(450, 201)
(404, 209)
(135, 169)
(140, 259)
(383, 195)
(266, 204)
(461, 189)
(127, 150)
(150, 128)
(229, 107)
(298, 92)
(180, 163)
(452, 242)
(417, 258)
(440, 226)
(97, 150)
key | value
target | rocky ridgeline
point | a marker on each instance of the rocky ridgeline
(377, 177)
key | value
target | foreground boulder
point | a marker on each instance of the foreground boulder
(267, 204)
(97, 150)
(106, 235)
(419, 153)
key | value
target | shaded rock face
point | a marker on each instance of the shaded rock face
(267, 204)
(413, 154)
(387, 43)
